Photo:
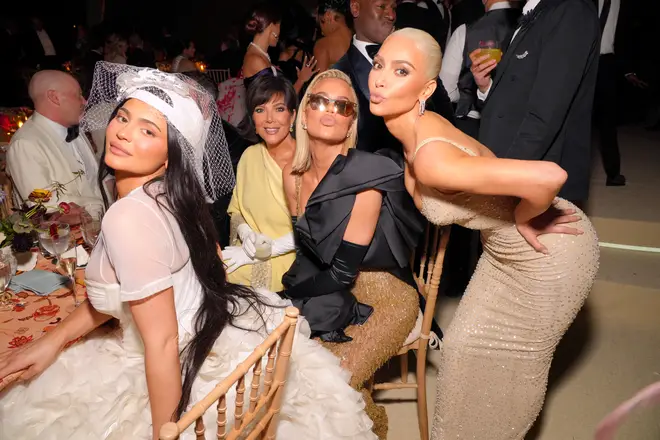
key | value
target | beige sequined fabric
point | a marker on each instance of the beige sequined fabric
(396, 306)
(497, 351)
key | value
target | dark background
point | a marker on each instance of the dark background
(202, 20)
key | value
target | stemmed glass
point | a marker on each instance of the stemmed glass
(90, 223)
(6, 274)
(68, 262)
(56, 239)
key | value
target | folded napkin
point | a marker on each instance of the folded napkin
(38, 281)
(82, 257)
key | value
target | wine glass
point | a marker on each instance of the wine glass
(54, 237)
(491, 48)
(68, 261)
(6, 274)
(90, 224)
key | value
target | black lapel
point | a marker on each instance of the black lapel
(539, 10)
(510, 51)
(361, 68)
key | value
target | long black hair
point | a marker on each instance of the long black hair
(184, 199)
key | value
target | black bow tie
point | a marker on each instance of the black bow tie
(72, 133)
(372, 49)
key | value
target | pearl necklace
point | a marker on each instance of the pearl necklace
(263, 52)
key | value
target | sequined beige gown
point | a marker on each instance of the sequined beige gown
(497, 350)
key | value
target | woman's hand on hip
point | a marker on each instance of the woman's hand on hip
(552, 221)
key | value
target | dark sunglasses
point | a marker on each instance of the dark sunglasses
(342, 107)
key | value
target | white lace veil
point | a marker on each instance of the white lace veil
(186, 105)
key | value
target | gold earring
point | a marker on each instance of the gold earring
(291, 129)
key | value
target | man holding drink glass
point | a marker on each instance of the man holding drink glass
(538, 104)
(489, 34)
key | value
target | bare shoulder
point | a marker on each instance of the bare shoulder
(253, 63)
(322, 44)
(455, 141)
(187, 65)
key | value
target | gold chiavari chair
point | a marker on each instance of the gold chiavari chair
(428, 280)
(260, 419)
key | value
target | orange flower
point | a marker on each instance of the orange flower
(45, 313)
(39, 196)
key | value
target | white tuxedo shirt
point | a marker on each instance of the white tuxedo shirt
(39, 155)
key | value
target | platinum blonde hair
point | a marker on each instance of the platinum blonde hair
(427, 45)
(302, 159)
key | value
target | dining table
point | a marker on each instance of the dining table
(28, 316)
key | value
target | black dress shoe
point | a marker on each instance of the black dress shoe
(619, 180)
(337, 336)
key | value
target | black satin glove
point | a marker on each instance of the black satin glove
(340, 276)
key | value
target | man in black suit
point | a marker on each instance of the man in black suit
(373, 22)
(423, 15)
(538, 105)
(616, 35)
(93, 56)
(40, 47)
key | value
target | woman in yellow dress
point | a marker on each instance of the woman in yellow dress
(261, 237)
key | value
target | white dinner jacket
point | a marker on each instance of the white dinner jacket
(38, 156)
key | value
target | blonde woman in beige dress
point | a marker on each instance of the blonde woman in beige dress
(540, 252)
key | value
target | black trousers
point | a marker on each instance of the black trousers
(605, 116)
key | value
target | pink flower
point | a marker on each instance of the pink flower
(65, 207)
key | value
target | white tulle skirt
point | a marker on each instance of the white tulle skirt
(97, 390)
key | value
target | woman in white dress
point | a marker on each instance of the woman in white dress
(155, 268)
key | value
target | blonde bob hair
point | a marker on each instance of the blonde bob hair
(302, 159)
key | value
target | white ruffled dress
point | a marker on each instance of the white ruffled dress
(97, 388)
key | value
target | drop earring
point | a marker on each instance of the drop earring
(304, 126)
(291, 128)
(422, 106)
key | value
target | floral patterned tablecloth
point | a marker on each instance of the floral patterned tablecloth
(31, 316)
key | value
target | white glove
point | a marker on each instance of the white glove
(248, 239)
(283, 245)
(235, 257)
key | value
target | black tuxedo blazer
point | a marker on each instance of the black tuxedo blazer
(428, 20)
(34, 51)
(539, 105)
(373, 135)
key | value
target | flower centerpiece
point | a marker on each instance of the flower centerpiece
(19, 226)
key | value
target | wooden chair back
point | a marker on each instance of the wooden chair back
(219, 75)
(427, 276)
(429, 271)
(259, 419)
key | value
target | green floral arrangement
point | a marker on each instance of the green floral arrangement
(18, 228)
